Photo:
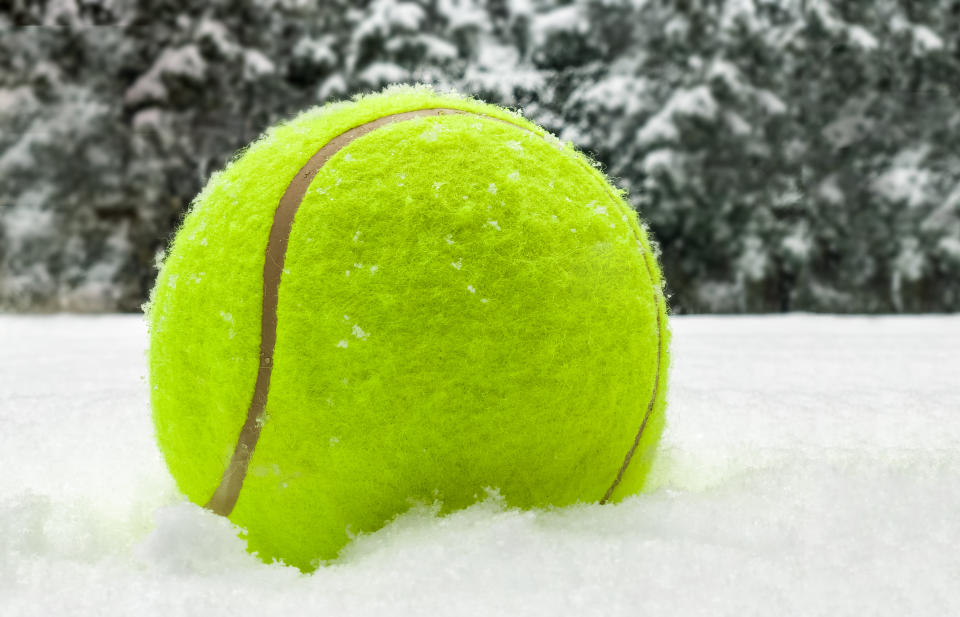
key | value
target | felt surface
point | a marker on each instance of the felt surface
(466, 306)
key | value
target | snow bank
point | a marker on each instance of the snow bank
(811, 466)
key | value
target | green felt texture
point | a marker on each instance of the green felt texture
(466, 304)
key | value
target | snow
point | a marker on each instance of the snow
(770, 102)
(332, 87)
(624, 94)
(811, 467)
(739, 13)
(909, 185)
(909, 263)
(183, 61)
(13, 99)
(318, 51)
(60, 13)
(846, 129)
(925, 40)
(76, 108)
(437, 49)
(379, 73)
(678, 28)
(737, 125)
(950, 247)
(727, 72)
(218, 35)
(696, 102)
(499, 69)
(826, 15)
(798, 244)
(664, 161)
(256, 64)
(568, 18)
(466, 14)
(862, 38)
(829, 191)
(384, 15)
(27, 219)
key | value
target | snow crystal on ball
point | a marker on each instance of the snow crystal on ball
(359, 333)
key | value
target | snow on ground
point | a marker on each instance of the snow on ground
(811, 466)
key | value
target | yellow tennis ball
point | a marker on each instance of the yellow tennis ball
(409, 297)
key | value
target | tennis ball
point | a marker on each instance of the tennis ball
(408, 298)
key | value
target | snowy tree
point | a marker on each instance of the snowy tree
(787, 154)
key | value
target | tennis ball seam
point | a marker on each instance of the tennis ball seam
(657, 296)
(227, 492)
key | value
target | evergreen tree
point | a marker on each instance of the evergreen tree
(788, 154)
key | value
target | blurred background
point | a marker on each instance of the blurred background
(788, 155)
